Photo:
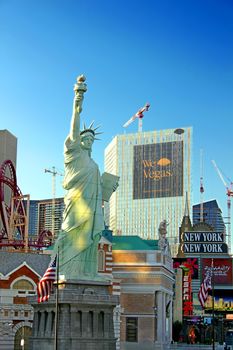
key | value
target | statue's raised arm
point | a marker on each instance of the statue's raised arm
(79, 88)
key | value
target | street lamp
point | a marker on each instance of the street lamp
(155, 309)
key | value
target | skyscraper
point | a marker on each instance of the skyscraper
(212, 215)
(8, 147)
(8, 151)
(155, 175)
(40, 216)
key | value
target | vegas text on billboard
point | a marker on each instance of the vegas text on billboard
(158, 170)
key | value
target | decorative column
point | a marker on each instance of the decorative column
(161, 316)
(75, 327)
(168, 299)
(35, 328)
(84, 324)
(111, 324)
(106, 324)
(48, 330)
(41, 324)
(170, 318)
(95, 324)
(64, 327)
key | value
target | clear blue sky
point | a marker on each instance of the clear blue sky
(177, 55)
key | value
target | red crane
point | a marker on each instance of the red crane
(139, 115)
(229, 193)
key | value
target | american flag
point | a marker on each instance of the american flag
(45, 285)
(205, 287)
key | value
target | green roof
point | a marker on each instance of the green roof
(133, 243)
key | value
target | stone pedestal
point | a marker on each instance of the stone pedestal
(85, 318)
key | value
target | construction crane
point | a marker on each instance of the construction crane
(229, 193)
(201, 186)
(139, 115)
(54, 173)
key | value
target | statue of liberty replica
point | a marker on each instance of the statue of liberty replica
(80, 314)
(83, 219)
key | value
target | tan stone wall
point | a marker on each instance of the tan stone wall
(145, 277)
(146, 329)
(128, 257)
(137, 303)
(140, 306)
(123, 328)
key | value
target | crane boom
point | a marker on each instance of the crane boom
(229, 195)
(139, 115)
(54, 173)
(201, 187)
(219, 173)
(129, 121)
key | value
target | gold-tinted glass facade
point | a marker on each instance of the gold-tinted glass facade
(155, 175)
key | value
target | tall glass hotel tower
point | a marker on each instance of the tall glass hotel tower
(155, 175)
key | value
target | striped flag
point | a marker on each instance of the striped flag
(205, 287)
(45, 285)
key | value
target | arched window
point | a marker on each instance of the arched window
(101, 262)
(24, 333)
(23, 284)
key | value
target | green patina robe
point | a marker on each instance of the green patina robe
(83, 219)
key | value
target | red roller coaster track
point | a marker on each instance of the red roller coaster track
(10, 194)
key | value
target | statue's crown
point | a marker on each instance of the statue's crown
(90, 130)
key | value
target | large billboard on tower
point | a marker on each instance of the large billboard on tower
(158, 170)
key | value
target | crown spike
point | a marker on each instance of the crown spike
(91, 125)
(97, 127)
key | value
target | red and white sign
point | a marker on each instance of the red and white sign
(187, 293)
(222, 270)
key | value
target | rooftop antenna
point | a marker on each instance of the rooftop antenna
(139, 115)
(201, 186)
(54, 173)
(229, 193)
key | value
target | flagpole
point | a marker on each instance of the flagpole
(213, 320)
(56, 305)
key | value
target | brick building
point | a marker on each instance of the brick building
(19, 275)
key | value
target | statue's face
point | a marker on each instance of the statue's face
(87, 142)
